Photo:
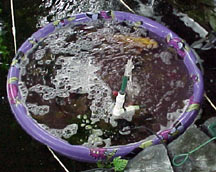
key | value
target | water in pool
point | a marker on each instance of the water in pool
(69, 82)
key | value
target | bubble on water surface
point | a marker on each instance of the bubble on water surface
(74, 70)
(38, 110)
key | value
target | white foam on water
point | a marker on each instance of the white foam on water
(76, 73)
(95, 139)
(166, 57)
(173, 116)
(67, 132)
(40, 54)
(38, 110)
(23, 91)
(125, 131)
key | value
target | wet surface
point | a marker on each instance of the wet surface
(74, 71)
(19, 152)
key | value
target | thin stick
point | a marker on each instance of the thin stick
(127, 6)
(57, 159)
(13, 26)
(208, 99)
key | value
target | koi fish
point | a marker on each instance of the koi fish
(138, 41)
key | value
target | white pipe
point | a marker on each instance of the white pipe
(118, 108)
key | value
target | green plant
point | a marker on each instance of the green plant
(4, 53)
(202, 11)
(118, 164)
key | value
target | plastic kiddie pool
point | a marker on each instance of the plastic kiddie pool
(82, 153)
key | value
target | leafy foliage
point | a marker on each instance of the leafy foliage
(104, 164)
(212, 21)
(202, 11)
(119, 164)
(4, 53)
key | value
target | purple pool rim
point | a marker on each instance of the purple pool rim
(82, 153)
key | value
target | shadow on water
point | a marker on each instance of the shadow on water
(18, 151)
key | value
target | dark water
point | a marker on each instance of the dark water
(18, 151)
(62, 63)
